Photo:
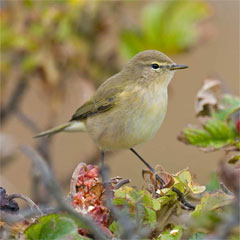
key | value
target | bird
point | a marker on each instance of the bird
(128, 108)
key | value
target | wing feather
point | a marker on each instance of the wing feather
(104, 99)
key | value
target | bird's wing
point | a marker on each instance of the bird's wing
(105, 98)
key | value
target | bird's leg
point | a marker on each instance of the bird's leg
(178, 192)
(102, 169)
(149, 167)
(102, 159)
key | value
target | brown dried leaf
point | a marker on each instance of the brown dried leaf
(75, 178)
(206, 98)
(150, 178)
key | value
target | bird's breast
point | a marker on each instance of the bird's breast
(137, 116)
(148, 113)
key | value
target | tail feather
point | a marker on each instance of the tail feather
(72, 126)
(54, 130)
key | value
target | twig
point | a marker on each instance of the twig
(14, 101)
(54, 190)
(121, 183)
(225, 189)
(26, 121)
(25, 214)
(183, 200)
(27, 199)
(129, 228)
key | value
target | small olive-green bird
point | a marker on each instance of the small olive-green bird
(129, 107)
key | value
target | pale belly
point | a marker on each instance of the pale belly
(129, 124)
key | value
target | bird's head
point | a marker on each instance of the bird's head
(152, 65)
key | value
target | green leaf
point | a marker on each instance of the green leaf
(232, 104)
(120, 201)
(54, 227)
(212, 201)
(134, 195)
(183, 181)
(156, 204)
(147, 199)
(122, 192)
(209, 212)
(216, 134)
(173, 234)
(150, 216)
(114, 228)
(168, 26)
(213, 184)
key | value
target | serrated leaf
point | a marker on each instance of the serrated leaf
(54, 227)
(216, 134)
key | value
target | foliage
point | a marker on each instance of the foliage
(210, 212)
(158, 211)
(54, 41)
(55, 227)
(213, 183)
(168, 26)
(154, 210)
(220, 120)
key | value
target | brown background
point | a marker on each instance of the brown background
(219, 56)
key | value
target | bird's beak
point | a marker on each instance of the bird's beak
(177, 67)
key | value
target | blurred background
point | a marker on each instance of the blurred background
(54, 54)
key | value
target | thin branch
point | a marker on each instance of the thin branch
(14, 101)
(183, 200)
(26, 199)
(25, 214)
(27, 121)
(54, 190)
(225, 189)
(128, 226)
(121, 183)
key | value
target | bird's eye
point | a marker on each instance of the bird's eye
(155, 66)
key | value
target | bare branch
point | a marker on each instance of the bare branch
(26, 199)
(54, 190)
(128, 226)
(121, 183)
(27, 121)
(14, 101)
(183, 200)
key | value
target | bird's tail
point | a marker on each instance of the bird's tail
(72, 126)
